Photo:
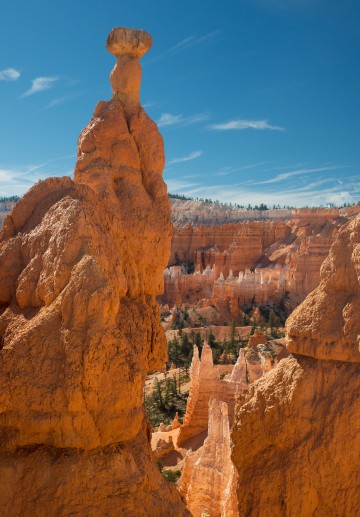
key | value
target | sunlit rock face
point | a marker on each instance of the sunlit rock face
(205, 384)
(80, 265)
(296, 435)
(254, 261)
(208, 480)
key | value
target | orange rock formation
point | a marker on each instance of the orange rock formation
(208, 479)
(205, 384)
(80, 265)
(296, 435)
(251, 261)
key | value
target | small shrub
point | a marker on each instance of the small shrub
(171, 475)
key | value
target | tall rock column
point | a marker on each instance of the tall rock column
(208, 481)
(80, 266)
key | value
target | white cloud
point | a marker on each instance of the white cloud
(168, 119)
(185, 43)
(194, 119)
(9, 74)
(311, 195)
(61, 100)
(286, 175)
(225, 171)
(189, 157)
(149, 104)
(288, 167)
(178, 186)
(245, 124)
(40, 84)
(17, 180)
(315, 190)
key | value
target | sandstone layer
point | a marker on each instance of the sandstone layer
(296, 434)
(80, 266)
(253, 261)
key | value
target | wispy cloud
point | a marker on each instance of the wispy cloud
(40, 84)
(288, 167)
(9, 74)
(188, 42)
(149, 104)
(310, 195)
(188, 158)
(168, 119)
(178, 186)
(245, 124)
(319, 186)
(18, 179)
(225, 171)
(61, 100)
(285, 175)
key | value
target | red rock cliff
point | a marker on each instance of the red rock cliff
(80, 265)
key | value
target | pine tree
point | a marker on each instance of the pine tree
(247, 373)
(211, 338)
(158, 394)
(232, 333)
(198, 340)
(253, 328)
(272, 319)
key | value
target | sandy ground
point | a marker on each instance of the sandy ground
(174, 460)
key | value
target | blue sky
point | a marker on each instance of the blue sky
(257, 100)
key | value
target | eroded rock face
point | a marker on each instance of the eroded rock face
(327, 325)
(259, 261)
(296, 434)
(205, 384)
(80, 265)
(209, 478)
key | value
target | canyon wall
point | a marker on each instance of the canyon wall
(296, 434)
(251, 261)
(209, 213)
(81, 264)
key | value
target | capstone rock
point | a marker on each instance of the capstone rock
(81, 263)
